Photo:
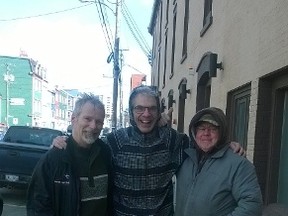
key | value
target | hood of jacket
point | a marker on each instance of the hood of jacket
(219, 117)
(144, 90)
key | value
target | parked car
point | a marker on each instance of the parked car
(20, 150)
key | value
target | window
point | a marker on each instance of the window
(158, 67)
(185, 31)
(204, 92)
(167, 12)
(207, 19)
(165, 59)
(238, 114)
(181, 105)
(173, 42)
(160, 23)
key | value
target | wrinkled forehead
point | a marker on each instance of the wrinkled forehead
(92, 111)
(144, 100)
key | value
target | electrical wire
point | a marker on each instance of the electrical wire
(135, 37)
(111, 2)
(138, 36)
(107, 20)
(104, 26)
(45, 14)
(135, 30)
(135, 26)
(107, 38)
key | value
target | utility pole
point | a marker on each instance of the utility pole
(116, 70)
(8, 78)
(121, 87)
(121, 91)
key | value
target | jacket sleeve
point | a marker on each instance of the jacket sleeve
(39, 195)
(246, 191)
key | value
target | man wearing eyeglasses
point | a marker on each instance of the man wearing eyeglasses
(145, 157)
(212, 180)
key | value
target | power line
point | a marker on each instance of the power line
(111, 2)
(138, 36)
(135, 30)
(135, 27)
(135, 36)
(104, 26)
(107, 19)
(45, 14)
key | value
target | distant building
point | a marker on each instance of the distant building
(137, 80)
(21, 90)
(107, 101)
(27, 98)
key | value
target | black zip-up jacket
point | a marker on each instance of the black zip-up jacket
(55, 188)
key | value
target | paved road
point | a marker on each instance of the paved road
(14, 202)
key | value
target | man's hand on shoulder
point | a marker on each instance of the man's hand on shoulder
(165, 118)
(59, 142)
(237, 148)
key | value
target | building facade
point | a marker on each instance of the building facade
(233, 55)
(137, 80)
(27, 98)
(20, 90)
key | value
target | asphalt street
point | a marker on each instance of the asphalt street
(14, 202)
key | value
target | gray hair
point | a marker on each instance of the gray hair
(143, 90)
(83, 99)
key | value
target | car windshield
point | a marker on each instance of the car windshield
(28, 135)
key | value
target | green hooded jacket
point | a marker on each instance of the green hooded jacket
(224, 185)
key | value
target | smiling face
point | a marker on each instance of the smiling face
(88, 124)
(207, 136)
(145, 112)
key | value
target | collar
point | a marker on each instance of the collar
(192, 153)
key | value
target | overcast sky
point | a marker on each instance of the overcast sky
(71, 44)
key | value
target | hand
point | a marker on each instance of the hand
(165, 118)
(237, 148)
(59, 142)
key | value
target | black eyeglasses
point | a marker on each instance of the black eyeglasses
(141, 109)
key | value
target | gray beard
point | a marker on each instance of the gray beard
(90, 139)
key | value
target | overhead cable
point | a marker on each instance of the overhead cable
(45, 14)
(107, 20)
(104, 26)
(135, 26)
(135, 30)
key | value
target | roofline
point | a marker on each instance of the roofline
(153, 16)
(14, 57)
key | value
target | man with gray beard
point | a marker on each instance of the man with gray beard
(75, 181)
